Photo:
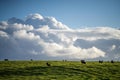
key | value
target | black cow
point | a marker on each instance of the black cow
(65, 60)
(83, 62)
(31, 59)
(112, 61)
(100, 61)
(48, 64)
(6, 60)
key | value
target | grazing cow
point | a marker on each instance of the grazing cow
(31, 59)
(48, 64)
(100, 61)
(5, 59)
(112, 61)
(64, 60)
(83, 62)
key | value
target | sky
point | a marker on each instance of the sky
(45, 38)
(60, 29)
(74, 13)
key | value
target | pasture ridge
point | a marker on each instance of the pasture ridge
(59, 70)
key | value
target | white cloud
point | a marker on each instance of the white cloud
(112, 47)
(48, 38)
(73, 52)
(23, 34)
(3, 25)
(3, 34)
(43, 28)
(22, 27)
(34, 16)
(37, 21)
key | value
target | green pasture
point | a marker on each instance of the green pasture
(59, 70)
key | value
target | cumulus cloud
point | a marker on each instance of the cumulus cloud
(35, 16)
(112, 47)
(3, 25)
(22, 34)
(39, 21)
(40, 37)
(3, 34)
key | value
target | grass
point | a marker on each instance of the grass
(59, 70)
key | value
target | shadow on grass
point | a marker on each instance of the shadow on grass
(44, 71)
(39, 70)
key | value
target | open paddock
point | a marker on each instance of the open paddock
(59, 70)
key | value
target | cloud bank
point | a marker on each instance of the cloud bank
(40, 37)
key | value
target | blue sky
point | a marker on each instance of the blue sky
(44, 37)
(73, 13)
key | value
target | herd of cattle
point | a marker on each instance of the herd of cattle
(100, 61)
(82, 61)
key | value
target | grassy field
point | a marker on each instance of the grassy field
(59, 70)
